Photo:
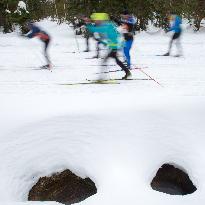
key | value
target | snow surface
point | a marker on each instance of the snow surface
(118, 135)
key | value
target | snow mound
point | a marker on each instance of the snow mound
(120, 147)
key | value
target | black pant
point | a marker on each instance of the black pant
(46, 44)
(113, 54)
(176, 36)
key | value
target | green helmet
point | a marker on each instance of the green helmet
(99, 17)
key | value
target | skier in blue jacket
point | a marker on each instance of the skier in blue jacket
(35, 31)
(105, 27)
(176, 28)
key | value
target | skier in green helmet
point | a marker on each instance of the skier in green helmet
(104, 26)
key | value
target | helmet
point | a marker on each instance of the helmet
(100, 17)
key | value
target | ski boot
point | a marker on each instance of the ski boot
(166, 54)
(127, 75)
(96, 56)
(178, 55)
(87, 50)
(48, 66)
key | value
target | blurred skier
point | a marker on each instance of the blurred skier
(35, 31)
(81, 26)
(111, 36)
(175, 22)
(87, 35)
(128, 22)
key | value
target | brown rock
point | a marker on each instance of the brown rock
(64, 187)
(171, 180)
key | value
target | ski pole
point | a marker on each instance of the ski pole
(151, 77)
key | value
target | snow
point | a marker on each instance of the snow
(118, 135)
(8, 11)
(22, 5)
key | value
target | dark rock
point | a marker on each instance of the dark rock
(171, 180)
(64, 187)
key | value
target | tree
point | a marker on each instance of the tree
(20, 16)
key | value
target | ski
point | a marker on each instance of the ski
(105, 82)
(174, 56)
(69, 52)
(90, 82)
(118, 70)
(42, 68)
(120, 79)
(90, 58)
(103, 65)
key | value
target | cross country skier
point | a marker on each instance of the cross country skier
(128, 22)
(80, 23)
(35, 31)
(109, 31)
(176, 28)
(87, 35)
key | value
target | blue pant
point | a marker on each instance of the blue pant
(128, 45)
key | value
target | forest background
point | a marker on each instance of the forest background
(145, 11)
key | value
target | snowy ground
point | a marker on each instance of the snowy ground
(118, 135)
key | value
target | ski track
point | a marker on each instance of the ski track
(117, 134)
(182, 76)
